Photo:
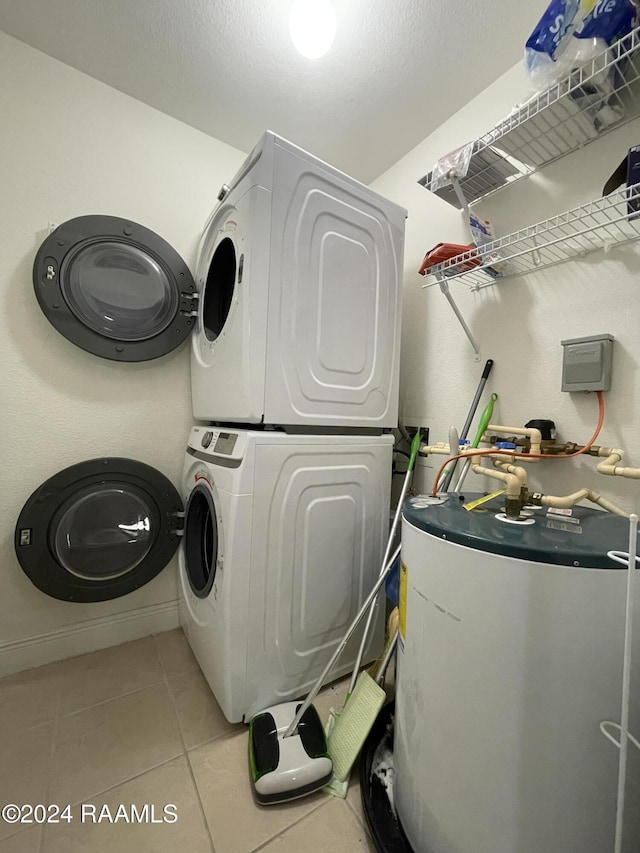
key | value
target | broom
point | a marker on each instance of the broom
(366, 695)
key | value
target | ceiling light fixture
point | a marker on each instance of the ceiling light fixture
(312, 24)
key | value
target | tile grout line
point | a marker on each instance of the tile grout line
(284, 831)
(359, 818)
(160, 680)
(52, 750)
(136, 775)
(124, 781)
(59, 717)
(111, 699)
(184, 746)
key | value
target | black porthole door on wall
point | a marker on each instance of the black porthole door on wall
(115, 288)
(99, 530)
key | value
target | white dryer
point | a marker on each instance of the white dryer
(283, 540)
(294, 316)
(299, 277)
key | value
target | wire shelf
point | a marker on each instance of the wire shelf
(601, 96)
(600, 224)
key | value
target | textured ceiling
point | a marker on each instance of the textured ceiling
(397, 69)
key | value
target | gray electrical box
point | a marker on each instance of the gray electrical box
(586, 363)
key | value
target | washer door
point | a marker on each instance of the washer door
(99, 530)
(114, 288)
(201, 541)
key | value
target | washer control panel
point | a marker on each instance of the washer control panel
(223, 443)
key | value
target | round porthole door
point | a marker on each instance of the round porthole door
(201, 541)
(219, 270)
(114, 288)
(219, 288)
(99, 530)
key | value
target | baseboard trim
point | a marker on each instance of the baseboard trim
(87, 636)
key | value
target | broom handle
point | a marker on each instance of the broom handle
(367, 627)
(334, 657)
(386, 660)
(467, 424)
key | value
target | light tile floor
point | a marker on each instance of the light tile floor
(137, 724)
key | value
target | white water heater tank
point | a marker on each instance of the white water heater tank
(511, 657)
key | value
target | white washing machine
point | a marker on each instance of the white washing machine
(283, 540)
(299, 277)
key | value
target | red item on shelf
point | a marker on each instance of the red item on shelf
(444, 251)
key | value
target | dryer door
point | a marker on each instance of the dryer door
(99, 530)
(232, 274)
(114, 288)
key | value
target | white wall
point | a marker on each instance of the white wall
(70, 146)
(519, 322)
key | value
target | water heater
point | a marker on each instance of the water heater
(511, 656)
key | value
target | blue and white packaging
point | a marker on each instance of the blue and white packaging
(606, 23)
(546, 39)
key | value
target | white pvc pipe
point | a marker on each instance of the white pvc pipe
(511, 481)
(510, 468)
(534, 435)
(566, 501)
(609, 465)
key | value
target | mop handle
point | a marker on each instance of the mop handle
(415, 447)
(485, 418)
(467, 423)
(367, 627)
(386, 660)
(334, 657)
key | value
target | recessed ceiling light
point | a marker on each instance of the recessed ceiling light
(312, 24)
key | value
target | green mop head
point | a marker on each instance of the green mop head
(354, 724)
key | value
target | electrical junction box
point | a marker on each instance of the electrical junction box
(586, 363)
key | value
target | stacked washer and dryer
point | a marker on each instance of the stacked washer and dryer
(282, 512)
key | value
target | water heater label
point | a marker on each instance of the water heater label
(402, 600)
(556, 510)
